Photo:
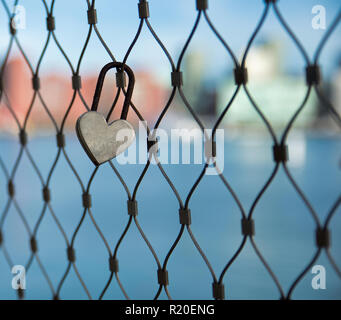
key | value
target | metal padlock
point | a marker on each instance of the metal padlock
(104, 141)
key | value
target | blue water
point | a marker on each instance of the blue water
(284, 226)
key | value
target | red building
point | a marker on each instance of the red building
(57, 95)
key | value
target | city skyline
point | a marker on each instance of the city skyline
(72, 28)
(19, 92)
(204, 81)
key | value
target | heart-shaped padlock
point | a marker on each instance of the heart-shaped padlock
(100, 140)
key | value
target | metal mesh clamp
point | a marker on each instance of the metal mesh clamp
(210, 149)
(313, 74)
(60, 140)
(132, 208)
(143, 9)
(71, 256)
(11, 188)
(120, 79)
(185, 216)
(92, 16)
(33, 244)
(152, 143)
(23, 137)
(218, 291)
(12, 29)
(50, 23)
(248, 227)
(113, 264)
(322, 238)
(240, 76)
(176, 77)
(202, 4)
(76, 82)
(162, 277)
(46, 194)
(36, 82)
(20, 293)
(86, 200)
(280, 153)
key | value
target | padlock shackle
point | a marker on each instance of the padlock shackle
(100, 81)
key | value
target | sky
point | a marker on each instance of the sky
(172, 20)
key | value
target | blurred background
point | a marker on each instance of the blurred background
(284, 226)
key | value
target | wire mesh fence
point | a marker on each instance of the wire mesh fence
(280, 150)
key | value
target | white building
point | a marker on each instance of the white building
(277, 94)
